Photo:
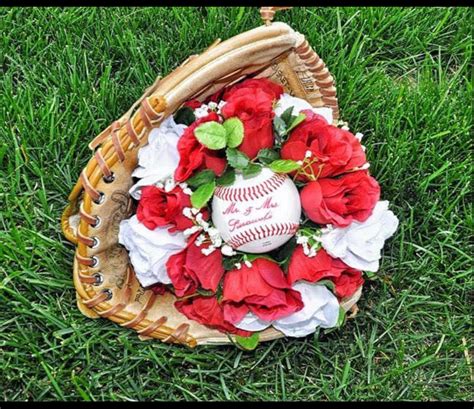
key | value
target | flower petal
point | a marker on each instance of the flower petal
(321, 309)
(359, 245)
(251, 322)
(158, 159)
(299, 104)
(149, 250)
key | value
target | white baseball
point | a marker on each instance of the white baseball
(257, 214)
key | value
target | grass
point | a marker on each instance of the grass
(403, 78)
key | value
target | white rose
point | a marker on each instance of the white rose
(298, 104)
(149, 250)
(321, 309)
(359, 245)
(252, 323)
(158, 159)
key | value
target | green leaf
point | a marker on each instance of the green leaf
(227, 178)
(253, 169)
(267, 156)
(248, 343)
(184, 115)
(252, 257)
(205, 176)
(341, 317)
(300, 118)
(229, 263)
(235, 132)
(283, 254)
(370, 275)
(287, 116)
(284, 166)
(212, 135)
(328, 284)
(202, 195)
(237, 159)
(279, 126)
(205, 293)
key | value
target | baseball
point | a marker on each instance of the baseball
(257, 214)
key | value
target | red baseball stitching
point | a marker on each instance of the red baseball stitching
(261, 232)
(230, 193)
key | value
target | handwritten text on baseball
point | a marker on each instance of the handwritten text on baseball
(252, 214)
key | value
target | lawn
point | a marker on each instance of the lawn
(403, 79)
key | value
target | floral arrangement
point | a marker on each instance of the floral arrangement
(244, 131)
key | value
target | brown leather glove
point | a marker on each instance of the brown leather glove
(104, 279)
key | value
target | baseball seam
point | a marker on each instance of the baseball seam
(261, 232)
(230, 193)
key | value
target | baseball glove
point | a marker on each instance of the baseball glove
(106, 285)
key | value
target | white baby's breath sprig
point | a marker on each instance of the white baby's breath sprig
(201, 222)
(204, 109)
(301, 239)
(317, 238)
(212, 106)
(218, 241)
(209, 233)
(185, 188)
(169, 185)
(312, 251)
(228, 251)
(200, 239)
(213, 233)
(327, 229)
(201, 112)
(191, 230)
(220, 105)
(207, 251)
(187, 213)
(309, 239)
(214, 236)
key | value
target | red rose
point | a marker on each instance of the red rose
(160, 208)
(266, 85)
(270, 87)
(348, 281)
(190, 269)
(208, 311)
(334, 150)
(302, 267)
(340, 201)
(192, 103)
(322, 266)
(194, 156)
(252, 104)
(261, 289)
